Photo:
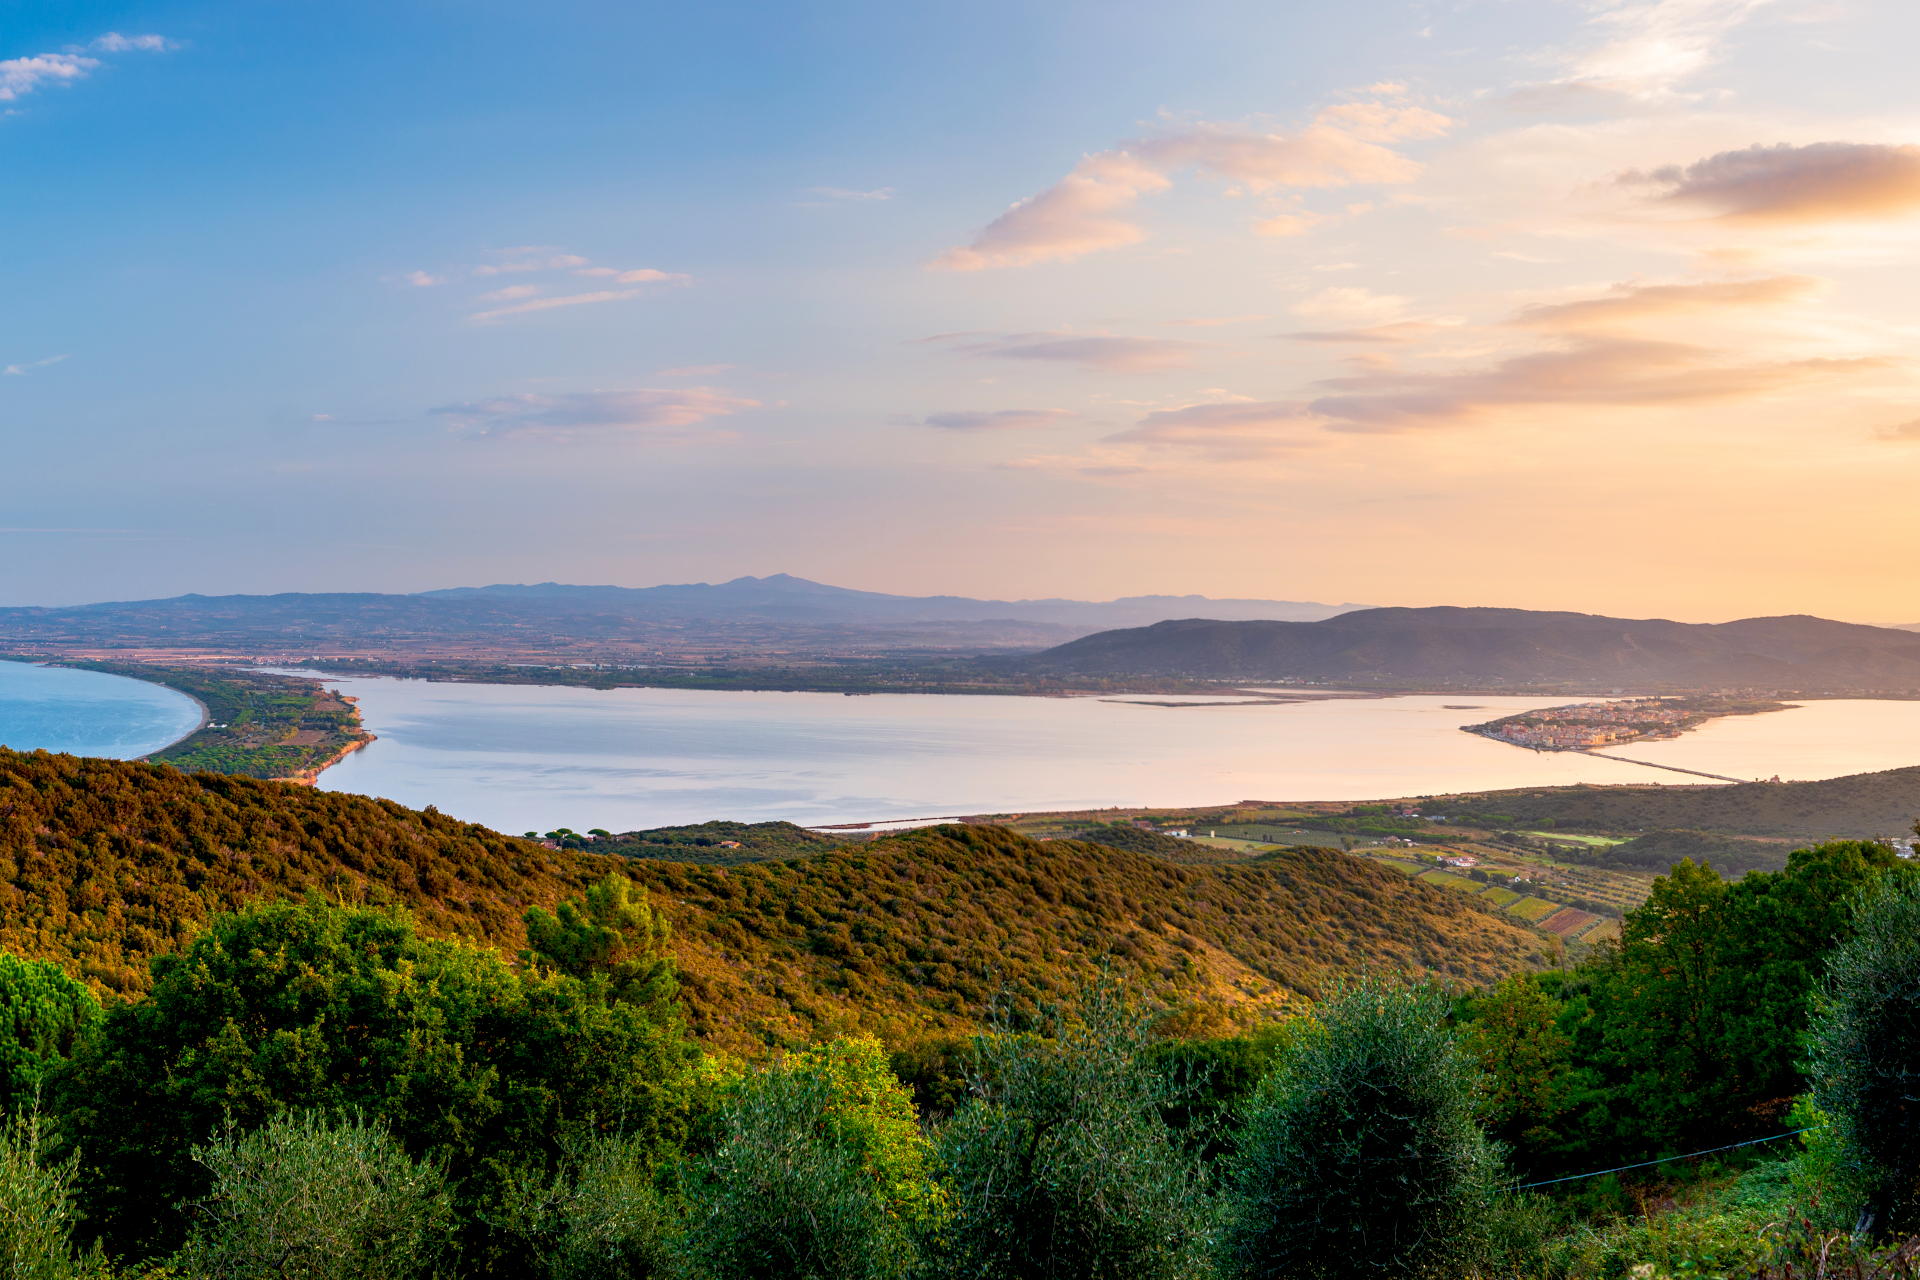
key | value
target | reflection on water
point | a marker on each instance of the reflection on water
(519, 758)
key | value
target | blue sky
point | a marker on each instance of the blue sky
(1599, 306)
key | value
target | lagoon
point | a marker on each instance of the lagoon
(89, 713)
(518, 757)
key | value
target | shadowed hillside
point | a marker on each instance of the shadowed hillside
(1494, 646)
(108, 863)
(1859, 806)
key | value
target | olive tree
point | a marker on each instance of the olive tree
(1864, 1051)
(1360, 1154)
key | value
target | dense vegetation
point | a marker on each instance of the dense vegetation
(1658, 850)
(707, 842)
(306, 1078)
(105, 864)
(1859, 806)
(260, 725)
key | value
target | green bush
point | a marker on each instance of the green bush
(1864, 1049)
(820, 1173)
(1061, 1165)
(600, 1217)
(312, 1007)
(303, 1199)
(1360, 1154)
(37, 1213)
(43, 1013)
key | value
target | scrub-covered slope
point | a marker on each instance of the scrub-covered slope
(104, 864)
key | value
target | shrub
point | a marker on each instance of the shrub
(1864, 1049)
(1061, 1164)
(43, 1013)
(312, 1007)
(1360, 1153)
(303, 1199)
(819, 1173)
(600, 1217)
(36, 1210)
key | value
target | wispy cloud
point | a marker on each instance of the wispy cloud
(1085, 212)
(511, 292)
(653, 415)
(1825, 181)
(19, 370)
(518, 261)
(1649, 48)
(1118, 354)
(21, 76)
(841, 193)
(1351, 305)
(996, 419)
(1906, 432)
(421, 280)
(548, 304)
(1226, 432)
(1635, 304)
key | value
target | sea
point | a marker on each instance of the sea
(531, 758)
(89, 713)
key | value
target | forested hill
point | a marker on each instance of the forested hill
(104, 864)
(1503, 646)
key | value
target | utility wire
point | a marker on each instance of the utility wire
(1662, 1160)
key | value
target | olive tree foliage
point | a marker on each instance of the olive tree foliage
(1061, 1164)
(819, 1173)
(1360, 1154)
(600, 1216)
(37, 1212)
(302, 1198)
(1864, 1051)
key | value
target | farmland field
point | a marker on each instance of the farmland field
(1501, 898)
(1533, 910)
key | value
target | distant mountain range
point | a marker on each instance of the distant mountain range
(785, 596)
(778, 614)
(1458, 646)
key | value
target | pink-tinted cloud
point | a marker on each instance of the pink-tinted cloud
(996, 419)
(659, 416)
(1228, 432)
(1630, 304)
(1401, 332)
(1085, 212)
(1118, 354)
(1075, 216)
(1908, 432)
(548, 304)
(1592, 371)
(1821, 182)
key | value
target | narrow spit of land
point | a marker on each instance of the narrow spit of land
(253, 724)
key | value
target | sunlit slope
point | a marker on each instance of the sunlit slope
(107, 863)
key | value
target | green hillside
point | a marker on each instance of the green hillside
(107, 863)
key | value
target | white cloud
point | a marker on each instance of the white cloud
(996, 419)
(658, 416)
(1654, 45)
(21, 76)
(19, 370)
(421, 280)
(1084, 212)
(114, 42)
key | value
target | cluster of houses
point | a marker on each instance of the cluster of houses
(1592, 724)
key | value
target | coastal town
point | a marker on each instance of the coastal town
(1586, 725)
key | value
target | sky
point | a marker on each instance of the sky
(1605, 306)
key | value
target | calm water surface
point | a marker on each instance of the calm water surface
(520, 758)
(89, 713)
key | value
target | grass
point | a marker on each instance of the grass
(1501, 898)
(1450, 880)
(1533, 910)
